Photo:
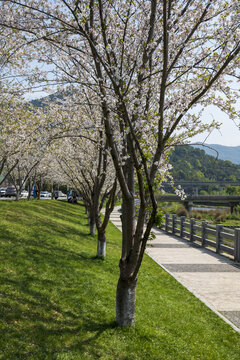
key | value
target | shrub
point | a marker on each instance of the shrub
(196, 215)
(159, 219)
(217, 214)
(203, 192)
(182, 211)
(233, 216)
(219, 219)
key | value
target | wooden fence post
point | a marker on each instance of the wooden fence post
(237, 245)
(174, 218)
(182, 220)
(204, 232)
(218, 237)
(192, 230)
(166, 222)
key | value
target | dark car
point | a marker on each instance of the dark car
(72, 197)
(11, 191)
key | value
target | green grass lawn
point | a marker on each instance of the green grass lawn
(57, 301)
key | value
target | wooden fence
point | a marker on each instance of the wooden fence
(217, 237)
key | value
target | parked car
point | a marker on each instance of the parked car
(24, 194)
(45, 194)
(2, 191)
(11, 191)
(59, 195)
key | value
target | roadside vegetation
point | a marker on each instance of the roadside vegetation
(192, 164)
(57, 300)
(215, 216)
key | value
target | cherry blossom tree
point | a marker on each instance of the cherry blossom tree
(18, 126)
(88, 169)
(82, 154)
(25, 141)
(153, 65)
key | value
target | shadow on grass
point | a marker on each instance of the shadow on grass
(34, 327)
(48, 285)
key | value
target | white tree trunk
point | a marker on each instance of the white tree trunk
(101, 249)
(101, 246)
(125, 303)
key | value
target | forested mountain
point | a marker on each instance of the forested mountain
(193, 164)
(55, 98)
(231, 153)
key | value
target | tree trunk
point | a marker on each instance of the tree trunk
(39, 189)
(17, 195)
(125, 302)
(92, 226)
(30, 187)
(101, 247)
(92, 220)
(52, 191)
(29, 190)
(128, 212)
(126, 289)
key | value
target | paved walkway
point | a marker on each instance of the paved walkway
(214, 279)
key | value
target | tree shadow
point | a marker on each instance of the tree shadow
(31, 317)
(45, 306)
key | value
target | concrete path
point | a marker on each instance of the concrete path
(214, 279)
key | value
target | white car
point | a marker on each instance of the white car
(45, 194)
(3, 191)
(61, 196)
(24, 194)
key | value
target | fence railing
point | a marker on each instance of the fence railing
(217, 237)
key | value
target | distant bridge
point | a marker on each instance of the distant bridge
(196, 184)
(210, 200)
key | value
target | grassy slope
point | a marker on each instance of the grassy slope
(58, 302)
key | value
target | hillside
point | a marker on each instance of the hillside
(231, 153)
(190, 163)
(55, 98)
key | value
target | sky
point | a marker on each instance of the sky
(229, 133)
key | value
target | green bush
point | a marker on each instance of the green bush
(159, 219)
(233, 216)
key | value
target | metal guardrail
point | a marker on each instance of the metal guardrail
(222, 239)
